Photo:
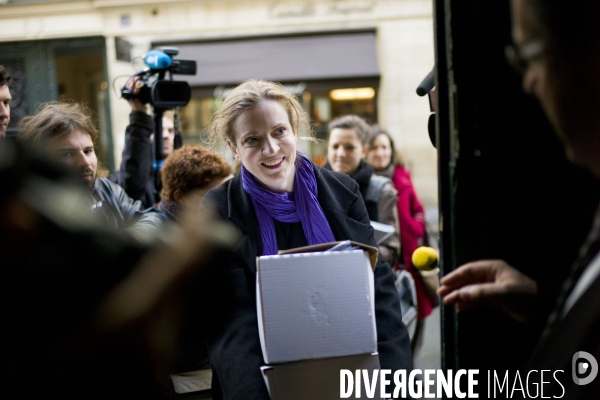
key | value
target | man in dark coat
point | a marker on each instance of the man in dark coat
(557, 48)
(66, 131)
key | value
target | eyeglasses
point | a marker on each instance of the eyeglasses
(520, 57)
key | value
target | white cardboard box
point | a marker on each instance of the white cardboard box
(315, 305)
(318, 379)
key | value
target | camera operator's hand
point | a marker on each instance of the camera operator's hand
(135, 103)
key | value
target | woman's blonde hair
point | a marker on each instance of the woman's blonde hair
(246, 96)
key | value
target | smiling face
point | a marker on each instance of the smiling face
(76, 150)
(380, 152)
(345, 150)
(265, 144)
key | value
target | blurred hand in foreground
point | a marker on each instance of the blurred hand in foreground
(489, 282)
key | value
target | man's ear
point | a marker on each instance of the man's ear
(365, 151)
(233, 150)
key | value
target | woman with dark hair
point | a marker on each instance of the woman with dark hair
(385, 160)
(280, 200)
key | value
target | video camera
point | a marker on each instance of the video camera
(155, 89)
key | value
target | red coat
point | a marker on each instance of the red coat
(412, 230)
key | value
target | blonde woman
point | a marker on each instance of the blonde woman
(280, 200)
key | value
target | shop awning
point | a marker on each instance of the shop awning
(289, 58)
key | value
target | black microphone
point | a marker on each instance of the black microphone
(427, 84)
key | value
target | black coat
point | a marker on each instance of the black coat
(129, 214)
(578, 331)
(233, 341)
(135, 175)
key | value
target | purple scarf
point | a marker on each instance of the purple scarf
(301, 205)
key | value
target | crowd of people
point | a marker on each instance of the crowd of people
(278, 200)
(119, 264)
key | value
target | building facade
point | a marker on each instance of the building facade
(338, 56)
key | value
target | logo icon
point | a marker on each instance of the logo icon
(584, 368)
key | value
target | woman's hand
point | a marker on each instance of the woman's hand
(489, 282)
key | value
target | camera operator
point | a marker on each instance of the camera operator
(135, 174)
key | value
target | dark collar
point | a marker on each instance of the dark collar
(362, 175)
(334, 194)
(240, 207)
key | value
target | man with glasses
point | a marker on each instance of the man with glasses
(557, 50)
(66, 131)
